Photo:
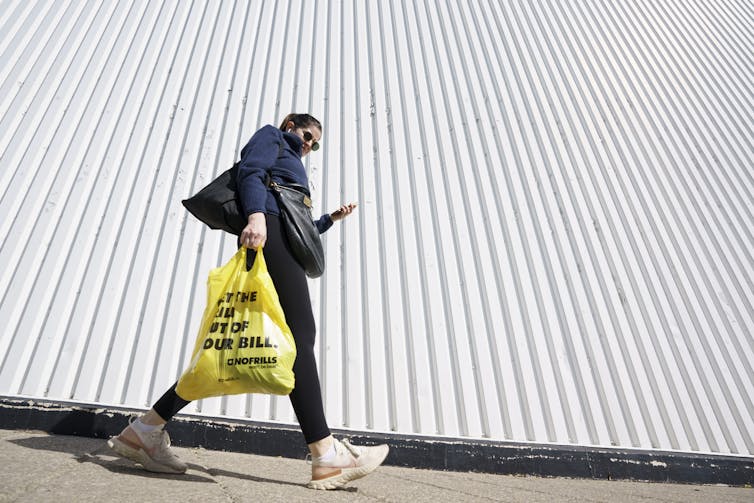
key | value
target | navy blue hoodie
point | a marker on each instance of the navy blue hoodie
(271, 151)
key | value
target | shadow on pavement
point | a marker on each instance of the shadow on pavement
(87, 450)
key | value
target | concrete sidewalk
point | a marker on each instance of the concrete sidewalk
(39, 467)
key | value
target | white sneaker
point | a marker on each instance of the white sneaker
(350, 463)
(151, 450)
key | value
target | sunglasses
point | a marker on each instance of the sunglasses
(309, 137)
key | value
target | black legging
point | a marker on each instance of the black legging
(293, 292)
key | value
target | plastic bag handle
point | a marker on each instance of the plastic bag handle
(258, 253)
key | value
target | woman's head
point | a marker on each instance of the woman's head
(306, 127)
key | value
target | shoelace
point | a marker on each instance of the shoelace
(164, 449)
(355, 451)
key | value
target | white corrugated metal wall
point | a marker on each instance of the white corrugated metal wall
(554, 238)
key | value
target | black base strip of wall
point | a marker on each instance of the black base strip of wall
(436, 453)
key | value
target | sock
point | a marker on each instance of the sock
(144, 428)
(330, 454)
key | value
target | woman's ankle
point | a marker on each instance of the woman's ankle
(321, 447)
(151, 418)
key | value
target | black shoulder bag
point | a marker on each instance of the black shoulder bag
(303, 236)
(218, 206)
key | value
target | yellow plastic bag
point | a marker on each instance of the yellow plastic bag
(244, 344)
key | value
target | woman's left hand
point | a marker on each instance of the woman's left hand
(343, 212)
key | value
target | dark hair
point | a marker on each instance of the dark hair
(300, 120)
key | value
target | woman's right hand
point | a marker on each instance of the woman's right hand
(254, 235)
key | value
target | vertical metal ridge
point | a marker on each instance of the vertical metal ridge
(242, 127)
(213, 97)
(716, 42)
(197, 279)
(387, 368)
(86, 271)
(522, 395)
(67, 241)
(705, 99)
(730, 212)
(263, 83)
(344, 283)
(300, 51)
(654, 261)
(365, 318)
(156, 200)
(602, 156)
(438, 421)
(77, 83)
(385, 264)
(417, 337)
(244, 131)
(732, 18)
(27, 250)
(478, 188)
(24, 34)
(602, 238)
(278, 113)
(9, 98)
(281, 72)
(314, 53)
(573, 367)
(25, 121)
(487, 218)
(671, 284)
(718, 204)
(264, 79)
(102, 360)
(704, 304)
(126, 382)
(456, 261)
(593, 254)
(486, 80)
(216, 168)
(698, 327)
(536, 248)
(597, 380)
(11, 19)
(323, 324)
(455, 342)
(704, 102)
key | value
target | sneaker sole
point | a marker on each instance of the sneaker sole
(345, 476)
(140, 456)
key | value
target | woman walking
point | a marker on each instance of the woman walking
(276, 152)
